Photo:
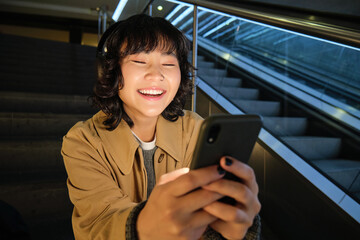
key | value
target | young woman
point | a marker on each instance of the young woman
(121, 163)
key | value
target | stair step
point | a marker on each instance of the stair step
(216, 82)
(21, 175)
(12, 42)
(45, 103)
(356, 194)
(48, 77)
(65, 54)
(345, 172)
(40, 57)
(314, 148)
(285, 126)
(36, 200)
(212, 72)
(31, 155)
(239, 93)
(199, 57)
(50, 228)
(37, 124)
(49, 68)
(264, 108)
(205, 65)
(77, 88)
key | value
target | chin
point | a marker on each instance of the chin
(153, 114)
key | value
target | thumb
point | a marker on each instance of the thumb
(171, 176)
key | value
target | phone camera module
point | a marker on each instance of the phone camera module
(213, 133)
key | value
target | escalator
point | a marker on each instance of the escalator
(307, 90)
(330, 150)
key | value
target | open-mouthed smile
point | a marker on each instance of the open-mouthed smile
(151, 92)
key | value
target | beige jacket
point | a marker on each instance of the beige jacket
(106, 172)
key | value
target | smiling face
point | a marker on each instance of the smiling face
(151, 81)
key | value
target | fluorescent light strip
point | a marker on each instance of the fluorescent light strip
(180, 3)
(119, 9)
(210, 23)
(220, 26)
(253, 35)
(173, 12)
(183, 15)
(284, 39)
(281, 29)
(225, 32)
(248, 32)
(191, 20)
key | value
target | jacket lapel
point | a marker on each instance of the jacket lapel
(169, 137)
(120, 143)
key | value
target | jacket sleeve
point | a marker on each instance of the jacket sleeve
(253, 233)
(101, 208)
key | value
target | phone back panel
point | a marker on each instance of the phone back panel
(226, 135)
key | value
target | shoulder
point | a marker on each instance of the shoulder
(190, 115)
(191, 123)
(85, 132)
(191, 120)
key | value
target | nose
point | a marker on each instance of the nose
(154, 73)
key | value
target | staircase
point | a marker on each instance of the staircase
(328, 152)
(44, 87)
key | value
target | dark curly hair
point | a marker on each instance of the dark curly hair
(137, 34)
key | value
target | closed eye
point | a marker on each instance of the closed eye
(168, 64)
(140, 62)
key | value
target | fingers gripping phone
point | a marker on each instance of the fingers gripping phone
(226, 135)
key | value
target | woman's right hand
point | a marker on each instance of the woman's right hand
(174, 209)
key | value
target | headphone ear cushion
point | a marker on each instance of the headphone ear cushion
(100, 64)
(101, 54)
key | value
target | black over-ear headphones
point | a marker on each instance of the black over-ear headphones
(100, 51)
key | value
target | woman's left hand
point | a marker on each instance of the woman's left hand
(234, 220)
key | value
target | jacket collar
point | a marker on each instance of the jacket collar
(169, 137)
(122, 145)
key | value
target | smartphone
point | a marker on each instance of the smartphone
(226, 135)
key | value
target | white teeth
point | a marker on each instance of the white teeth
(151, 92)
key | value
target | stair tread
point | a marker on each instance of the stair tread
(286, 126)
(238, 89)
(31, 155)
(212, 71)
(60, 97)
(42, 199)
(44, 102)
(264, 108)
(310, 138)
(337, 165)
(239, 93)
(314, 147)
(344, 171)
(37, 126)
(21, 115)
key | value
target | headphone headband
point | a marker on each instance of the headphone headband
(104, 38)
